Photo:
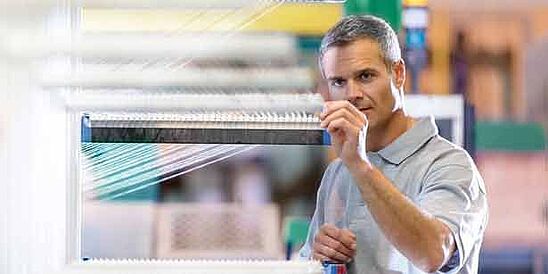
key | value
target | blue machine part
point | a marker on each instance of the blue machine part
(85, 128)
(326, 138)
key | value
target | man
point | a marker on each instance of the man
(411, 201)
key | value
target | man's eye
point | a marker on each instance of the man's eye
(337, 83)
(366, 76)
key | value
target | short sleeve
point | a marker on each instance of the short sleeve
(454, 192)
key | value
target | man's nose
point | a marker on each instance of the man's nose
(353, 91)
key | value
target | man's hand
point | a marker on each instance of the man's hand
(347, 127)
(334, 244)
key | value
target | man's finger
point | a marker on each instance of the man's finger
(343, 113)
(348, 239)
(332, 106)
(349, 233)
(334, 244)
(319, 257)
(343, 129)
(345, 236)
(331, 254)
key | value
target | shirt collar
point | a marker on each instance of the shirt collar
(410, 141)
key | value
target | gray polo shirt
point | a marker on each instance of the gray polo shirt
(436, 175)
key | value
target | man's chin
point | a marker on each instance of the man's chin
(369, 115)
(373, 123)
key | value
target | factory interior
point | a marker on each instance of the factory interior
(182, 136)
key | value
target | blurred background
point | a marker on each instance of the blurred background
(488, 57)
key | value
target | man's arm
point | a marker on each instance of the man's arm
(424, 240)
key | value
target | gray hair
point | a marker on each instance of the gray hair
(355, 27)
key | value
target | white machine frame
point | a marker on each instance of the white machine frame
(74, 263)
(440, 107)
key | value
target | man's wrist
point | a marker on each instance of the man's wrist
(360, 168)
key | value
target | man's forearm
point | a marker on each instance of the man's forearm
(423, 239)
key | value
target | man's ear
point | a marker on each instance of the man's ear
(398, 71)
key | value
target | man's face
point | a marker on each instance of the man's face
(356, 72)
